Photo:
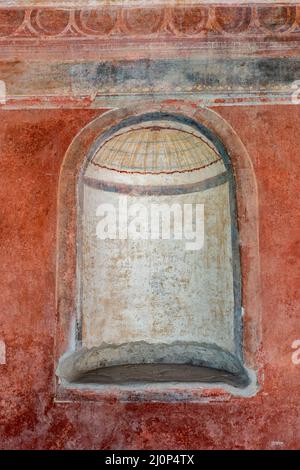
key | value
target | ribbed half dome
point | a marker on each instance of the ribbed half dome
(156, 150)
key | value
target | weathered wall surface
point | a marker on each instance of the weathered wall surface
(64, 67)
(33, 144)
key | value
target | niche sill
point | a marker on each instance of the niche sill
(150, 363)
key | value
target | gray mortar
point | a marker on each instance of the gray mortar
(77, 365)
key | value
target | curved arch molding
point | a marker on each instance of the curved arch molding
(75, 160)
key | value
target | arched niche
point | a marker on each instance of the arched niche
(103, 347)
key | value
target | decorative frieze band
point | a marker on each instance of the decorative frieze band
(241, 22)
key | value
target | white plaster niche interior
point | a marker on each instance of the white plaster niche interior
(156, 305)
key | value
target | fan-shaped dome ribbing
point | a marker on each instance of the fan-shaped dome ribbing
(156, 150)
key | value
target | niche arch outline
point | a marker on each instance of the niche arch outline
(242, 185)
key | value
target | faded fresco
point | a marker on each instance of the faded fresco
(151, 283)
(149, 235)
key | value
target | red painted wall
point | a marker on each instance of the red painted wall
(32, 146)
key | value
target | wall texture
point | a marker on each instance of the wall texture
(32, 147)
(37, 126)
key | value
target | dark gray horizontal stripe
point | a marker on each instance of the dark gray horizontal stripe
(156, 190)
